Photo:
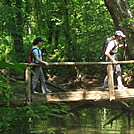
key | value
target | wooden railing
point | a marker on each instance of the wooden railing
(109, 72)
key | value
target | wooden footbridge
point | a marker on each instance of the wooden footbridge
(112, 94)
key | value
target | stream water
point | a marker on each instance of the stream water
(89, 120)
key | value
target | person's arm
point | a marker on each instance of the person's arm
(122, 45)
(41, 61)
(110, 47)
(107, 53)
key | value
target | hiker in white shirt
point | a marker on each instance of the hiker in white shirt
(112, 56)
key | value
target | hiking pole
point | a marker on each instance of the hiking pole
(124, 53)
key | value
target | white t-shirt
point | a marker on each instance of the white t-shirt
(111, 45)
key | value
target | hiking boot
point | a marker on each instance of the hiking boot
(35, 92)
(122, 88)
(46, 91)
(105, 89)
(43, 91)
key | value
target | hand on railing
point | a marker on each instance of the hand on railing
(46, 63)
(114, 61)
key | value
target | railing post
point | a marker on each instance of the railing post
(28, 85)
(111, 82)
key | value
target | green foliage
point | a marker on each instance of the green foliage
(5, 89)
(74, 30)
(12, 118)
(13, 66)
(69, 28)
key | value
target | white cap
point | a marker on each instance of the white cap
(120, 33)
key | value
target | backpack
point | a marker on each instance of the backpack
(30, 56)
(105, 44)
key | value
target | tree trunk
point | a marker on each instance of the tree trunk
(67, 32)
(122, 16)
(27, 20)
(50, 33)
(16, 26)
(56, 38)
(17, 30)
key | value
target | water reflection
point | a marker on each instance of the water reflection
(90, 120)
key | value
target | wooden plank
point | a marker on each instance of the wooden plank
(111, 82)
(127, 94)
(78, 96)
(91, 96)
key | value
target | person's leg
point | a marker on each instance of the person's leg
(105, 84)
(35, 78)
(43, 84)
(119, 77)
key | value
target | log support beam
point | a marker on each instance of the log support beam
(28, 85)
(111, 82)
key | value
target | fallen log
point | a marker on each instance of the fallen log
(106, 104)
(116, 117)
(56, 86)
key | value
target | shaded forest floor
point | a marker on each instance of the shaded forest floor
(87, 83)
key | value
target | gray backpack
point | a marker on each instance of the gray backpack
(105, 44)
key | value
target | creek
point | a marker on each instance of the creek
(87, 120)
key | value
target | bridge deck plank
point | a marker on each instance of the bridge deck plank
(127, 94)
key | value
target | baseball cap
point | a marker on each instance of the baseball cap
(38, 39)
(120, 33)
